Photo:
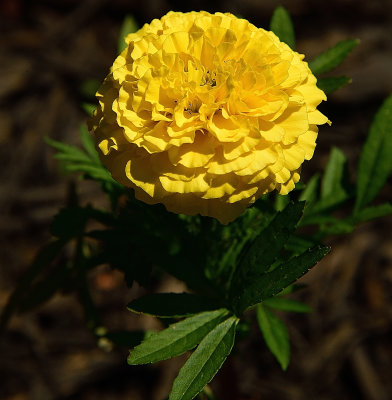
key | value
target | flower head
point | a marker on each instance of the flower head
(205, 113)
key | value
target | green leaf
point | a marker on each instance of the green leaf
(94, 171)
(285, 304)
(176, 339)
(74, 157)
(375, 163)
(310, 193)
(329, 85)
(88, 144)
(126, 338)
(89, 108)
(370, 213)
(39, 292)
(298, 244)
(90, 87)
(334, 175)
(292, 288)
(332, 57)
(282, 25)
(171, 305)
(66, 151)
(205, 361)
(281, 201)
(334, 189)
(44, 258)
(129, 26)
(271, 283)
(76, 160)
(265, 248)
(275, 335)
(299, 186)
(327, 203)
(69, 222)
(338, 227)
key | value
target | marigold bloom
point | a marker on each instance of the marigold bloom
(206, 113)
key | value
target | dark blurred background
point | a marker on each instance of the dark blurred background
(48, 49)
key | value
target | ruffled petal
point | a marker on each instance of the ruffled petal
(205, 113)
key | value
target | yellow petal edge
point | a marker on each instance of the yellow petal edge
(205, 113)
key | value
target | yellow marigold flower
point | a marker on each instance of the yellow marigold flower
(205, 113)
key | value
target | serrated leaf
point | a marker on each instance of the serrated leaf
(331, 84)
(375, 163)
(265, 248)
(292, 288)
(271, 283)
(171, 305)
(370, 213)
(205, 361)
(128, 26)
(298, 244)
(176, 339)
(282, 25)
(285, 304)
(275, 335)
(332, 57)
(333, 178)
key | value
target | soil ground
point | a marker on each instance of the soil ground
(47, 50)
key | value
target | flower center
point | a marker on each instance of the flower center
(193, 106)
(209, 79)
